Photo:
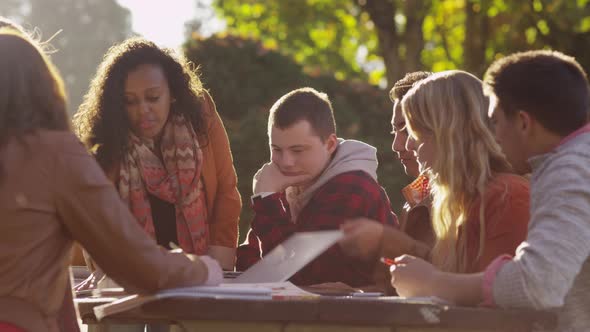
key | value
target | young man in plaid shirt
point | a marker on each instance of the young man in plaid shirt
(314, 181)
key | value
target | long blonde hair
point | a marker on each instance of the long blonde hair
(452, 108)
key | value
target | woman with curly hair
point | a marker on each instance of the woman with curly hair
(155, 132)
(52, 193)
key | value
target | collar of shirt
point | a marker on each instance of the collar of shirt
(537, 161)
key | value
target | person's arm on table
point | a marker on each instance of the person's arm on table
(94, 215)
(414, 277)
(558, 244)
(368, 239)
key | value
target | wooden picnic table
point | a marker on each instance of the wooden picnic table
(324, 314)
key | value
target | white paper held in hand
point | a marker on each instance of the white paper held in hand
(287, 258)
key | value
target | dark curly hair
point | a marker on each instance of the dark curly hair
(102, 122)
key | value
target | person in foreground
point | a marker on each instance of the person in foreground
(314, 181)
(156, 133)
(540, 102)
(52, 192)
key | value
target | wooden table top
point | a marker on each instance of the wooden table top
(324, 310)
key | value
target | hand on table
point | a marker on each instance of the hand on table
(412, 276)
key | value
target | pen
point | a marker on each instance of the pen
(387, 261)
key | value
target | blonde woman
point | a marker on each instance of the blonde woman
(480, 209)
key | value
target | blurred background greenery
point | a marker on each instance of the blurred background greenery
(354, 50)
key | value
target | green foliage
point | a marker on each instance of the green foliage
(503, 27)
(245, 79)
(318, 33)
(330, 34)
(558, 24)
(444, 32)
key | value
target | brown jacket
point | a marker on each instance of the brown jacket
(53, 192)
(219, 176)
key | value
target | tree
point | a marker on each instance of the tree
(87, 28)
(409, 35)
(496, 28)
(401, 41)
(318, 33)
(332, 35)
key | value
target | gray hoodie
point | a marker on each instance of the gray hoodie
(350, 155)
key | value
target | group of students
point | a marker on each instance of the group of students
(155, 171)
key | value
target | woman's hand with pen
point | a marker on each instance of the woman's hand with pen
(412, 276)
(387, 261)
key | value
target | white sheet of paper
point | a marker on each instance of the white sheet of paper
(289, 257)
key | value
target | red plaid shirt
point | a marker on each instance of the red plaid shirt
(347, 195)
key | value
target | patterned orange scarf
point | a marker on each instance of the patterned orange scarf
(175, 180)
(417, 191)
